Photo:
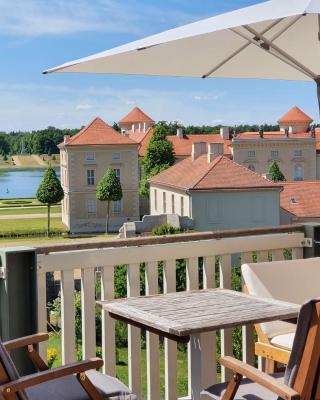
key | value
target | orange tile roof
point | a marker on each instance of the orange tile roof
(295, 115)
(221, 173)
(301, 198)
(98, 132)
(181, 147)
(136, 115)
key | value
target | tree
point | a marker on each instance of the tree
(109, 189)
(49, 191)
(275, 172)
(159, 156)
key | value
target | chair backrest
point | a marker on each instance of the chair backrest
(8, 371)
(295, 281)
(302, 372)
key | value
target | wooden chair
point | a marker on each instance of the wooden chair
(76, 381)
(302, 375)
(294, 281)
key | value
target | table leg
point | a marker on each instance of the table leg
(195, 367)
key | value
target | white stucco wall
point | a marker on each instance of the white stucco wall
(235, 209)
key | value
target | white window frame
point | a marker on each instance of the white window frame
(251, 154)
(298, 172)
(91, 177)
(117, 171)
(116, 156)
(116, 207)
(90, 156)
(91, 206)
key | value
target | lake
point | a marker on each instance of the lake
(21, 183)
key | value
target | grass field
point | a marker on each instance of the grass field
(30, 210)
(122, 367)
(29, 225)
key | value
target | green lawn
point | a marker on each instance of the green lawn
(19, 203)
(122, 367)
(29, 210)
(29, 225)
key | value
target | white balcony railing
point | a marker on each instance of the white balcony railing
(215, 249)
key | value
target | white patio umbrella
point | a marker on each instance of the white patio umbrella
(278, 39)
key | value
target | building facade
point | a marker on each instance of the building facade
(215, 192)
(84, 160)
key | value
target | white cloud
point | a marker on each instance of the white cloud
(34, 18)
(84, 107)
(209, 96)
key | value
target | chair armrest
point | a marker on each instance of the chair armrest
(260, 377)
(25, 341)
(49, 375)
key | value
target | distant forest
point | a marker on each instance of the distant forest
(45, 141)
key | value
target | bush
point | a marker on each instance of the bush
(165, 229)
(17, 201)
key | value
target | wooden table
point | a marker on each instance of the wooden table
(183, 316)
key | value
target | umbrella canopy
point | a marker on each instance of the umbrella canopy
(278, 39)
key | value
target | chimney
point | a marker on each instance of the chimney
(66, 139)
(225, 132)
(214, 150)
(180, 133)
(198, 148)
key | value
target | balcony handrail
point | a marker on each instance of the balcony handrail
(183, 237)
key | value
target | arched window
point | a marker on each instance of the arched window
(298, 172)
(251, 167)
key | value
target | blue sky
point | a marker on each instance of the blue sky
(37, 34)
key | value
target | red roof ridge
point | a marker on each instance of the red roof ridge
(255, 173)
(295, 114)
(136, 115)
(84, 129)
(214, 162)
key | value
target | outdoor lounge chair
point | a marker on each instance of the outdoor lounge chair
(301, 379)
(294, 281)
(77, 381)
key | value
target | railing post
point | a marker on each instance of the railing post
(226, 334)
(18, 299)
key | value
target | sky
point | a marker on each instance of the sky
(38, 34)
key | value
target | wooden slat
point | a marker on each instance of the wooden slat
(192, 269)
(153, 366)
(134, 334)
(277, 255)
(170, 347)
(42, 311)
(262, 256)
(226, 334)
(248, 330)
(200, 248)
(208, 339)
(108, 323)
(88, 313)
(67, 317)
(297, 253)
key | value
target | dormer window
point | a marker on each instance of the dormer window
(293, 200)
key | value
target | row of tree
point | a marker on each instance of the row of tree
(45, 141)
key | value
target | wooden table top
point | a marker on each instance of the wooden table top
(184, 313)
